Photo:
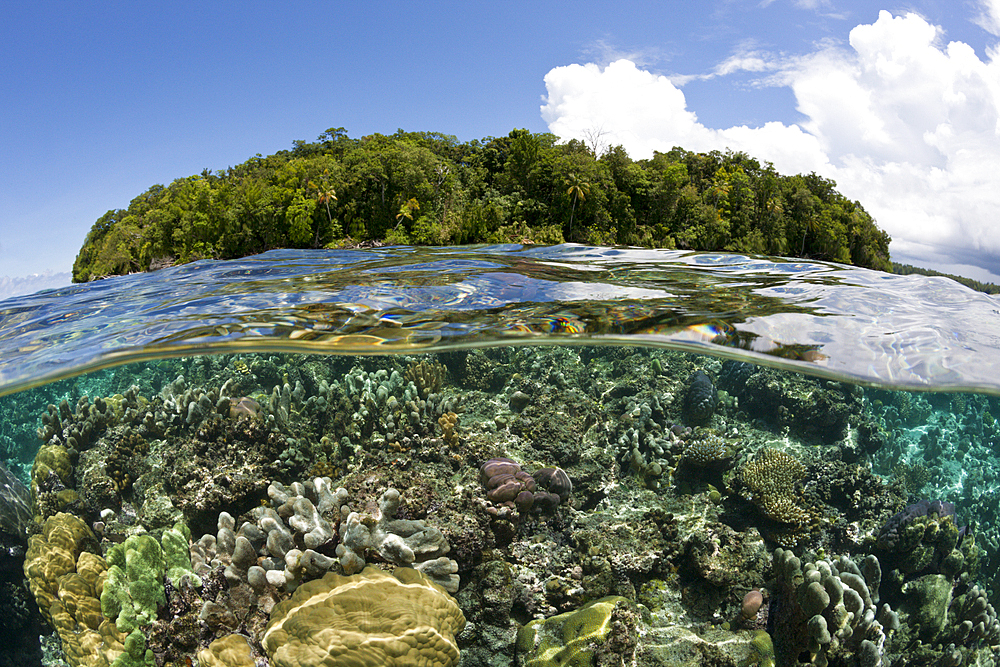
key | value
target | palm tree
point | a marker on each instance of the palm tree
(578, 190)
(324, 194)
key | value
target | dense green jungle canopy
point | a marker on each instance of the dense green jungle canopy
(427, 188)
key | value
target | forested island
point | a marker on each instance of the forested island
(427, 188)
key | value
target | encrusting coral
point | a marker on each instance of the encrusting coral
(372, 618)
(574, 638)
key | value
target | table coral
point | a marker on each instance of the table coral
(373, 618)
(769, 480)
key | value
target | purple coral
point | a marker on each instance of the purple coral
(506, 483)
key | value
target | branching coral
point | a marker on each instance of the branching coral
(769, 480)
(427, 376)
(830, 609)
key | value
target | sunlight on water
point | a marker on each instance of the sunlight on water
(715, 452)
(825, 319)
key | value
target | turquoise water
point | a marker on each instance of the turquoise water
(665, 384)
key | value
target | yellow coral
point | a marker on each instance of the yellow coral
(51, 458)
(228, 651)
(771, 477)
(66, 582)
(448, 423)
(372, 618)
(426, 376)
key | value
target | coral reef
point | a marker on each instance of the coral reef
(371, 618)
(652, 486)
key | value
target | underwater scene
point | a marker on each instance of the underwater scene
(504, 455)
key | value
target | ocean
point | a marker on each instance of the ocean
(501, 455)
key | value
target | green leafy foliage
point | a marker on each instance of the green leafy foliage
(428, 188)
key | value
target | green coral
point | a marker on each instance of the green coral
(761, 651)
(134, 588)
(136, 654)
(570, 639)
(177, 555)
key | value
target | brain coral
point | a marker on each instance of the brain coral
(372, 618)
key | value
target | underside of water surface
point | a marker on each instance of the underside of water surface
(495, 456)
(687, 472)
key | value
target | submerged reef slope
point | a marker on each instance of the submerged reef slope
(505, 506)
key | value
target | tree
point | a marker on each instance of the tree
(578, 189)
(325, 193)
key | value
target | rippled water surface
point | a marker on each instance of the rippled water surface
(535, 429)
(820, 318)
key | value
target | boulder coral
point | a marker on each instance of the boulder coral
(372, 618)
(67, 583)
(700, 398)
(507, 484)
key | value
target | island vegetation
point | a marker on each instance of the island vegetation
(909, 269)
(427, 188)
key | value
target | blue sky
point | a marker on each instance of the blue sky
(102, 100)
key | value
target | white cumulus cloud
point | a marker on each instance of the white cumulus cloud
(905, 123)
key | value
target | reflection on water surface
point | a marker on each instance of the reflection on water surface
(658, 486)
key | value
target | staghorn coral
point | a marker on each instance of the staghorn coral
(372, 618)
